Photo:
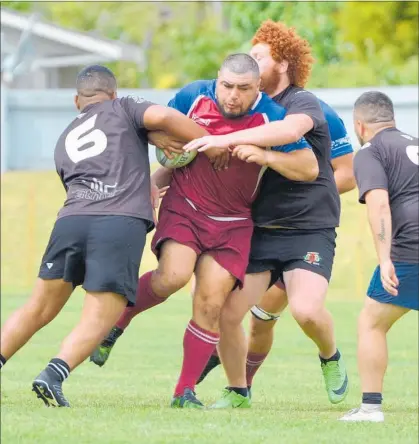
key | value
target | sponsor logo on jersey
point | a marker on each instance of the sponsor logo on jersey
(198, 119)
(338, 143)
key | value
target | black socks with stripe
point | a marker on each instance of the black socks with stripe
(60, 367)
(372, 398)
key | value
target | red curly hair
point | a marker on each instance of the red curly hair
(286, 44)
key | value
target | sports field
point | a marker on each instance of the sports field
(127, 400)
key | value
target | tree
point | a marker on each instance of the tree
(315, 21)
(387, 30)
(354, 43)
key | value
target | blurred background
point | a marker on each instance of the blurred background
(155, 48)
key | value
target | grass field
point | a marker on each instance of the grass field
(127, 400)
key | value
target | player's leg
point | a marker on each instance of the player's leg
(306, 296)
(376, 318)
(213, 285)
(174, 270)
(262, 322)
(47, 300)
(113, 247)
(100, 311)
(52, 288)
(306, 277)
(233, 344)
(310, 312)
(174, 243)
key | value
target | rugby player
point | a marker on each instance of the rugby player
(387, 174)
(98, 238)
(205, 223)
(267, 51)
(294, 238)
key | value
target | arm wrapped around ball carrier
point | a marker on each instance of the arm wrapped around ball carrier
(172, 122)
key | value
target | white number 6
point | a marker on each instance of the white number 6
(77, 138)
(412, 152)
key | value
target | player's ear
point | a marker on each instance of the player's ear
(114, 95)
(77, 102)
(283, 66)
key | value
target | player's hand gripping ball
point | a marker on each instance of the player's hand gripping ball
(177, 161)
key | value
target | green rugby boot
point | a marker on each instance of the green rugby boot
(187, 401)
(335, 378)
(101, 354)
(232, 400)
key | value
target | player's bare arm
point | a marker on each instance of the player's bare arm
(274, 133)
(344, 173)
(379, 216)
(166, 143)
(298, 165)
(172, 122)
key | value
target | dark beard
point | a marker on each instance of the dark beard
(232, 116)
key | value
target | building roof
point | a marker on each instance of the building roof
(55, 46)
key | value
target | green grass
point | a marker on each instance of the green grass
(127, 400)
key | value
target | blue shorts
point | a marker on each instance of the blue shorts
(408, 297)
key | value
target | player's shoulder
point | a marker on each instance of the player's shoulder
(394, 137)
(265, 105)
(120, 101)
(199, 87)
(297, 93)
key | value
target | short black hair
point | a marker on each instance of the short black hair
(374, 107)
(95, 79)
(241, 63)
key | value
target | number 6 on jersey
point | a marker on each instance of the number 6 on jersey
(77, 138)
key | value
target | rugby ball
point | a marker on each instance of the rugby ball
(178, 160)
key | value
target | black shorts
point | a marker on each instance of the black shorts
(279, 250)
(102, 253)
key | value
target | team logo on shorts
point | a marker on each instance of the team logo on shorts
(312, 258)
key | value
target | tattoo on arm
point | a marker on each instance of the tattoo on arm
(382, 233)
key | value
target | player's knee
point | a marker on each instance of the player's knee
(209, 311)
(372, 320)
(230, 317)
(167, 281)
(305, 315)
(41, 315)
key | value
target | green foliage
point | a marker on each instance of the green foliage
(18, 6)
(315, 21)
(385, 29)
(354, 43)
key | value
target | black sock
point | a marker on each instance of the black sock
(372, 398)
(239, 390)
(2, 361)
(60, 367)
(335, 357)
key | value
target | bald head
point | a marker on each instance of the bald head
(94, 80)
(374, 107)
(241, 64)
(373, 111)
